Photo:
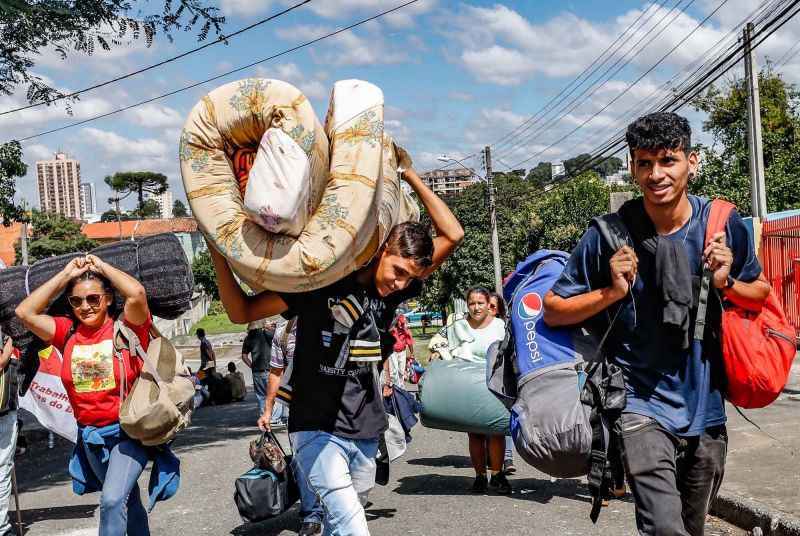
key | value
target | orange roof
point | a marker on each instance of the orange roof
(8, 237)
(138, 228)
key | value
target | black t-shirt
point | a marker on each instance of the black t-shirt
(258, 344)
(345, 401)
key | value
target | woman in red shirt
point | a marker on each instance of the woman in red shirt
(96, 380)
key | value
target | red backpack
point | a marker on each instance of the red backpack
(758, 344)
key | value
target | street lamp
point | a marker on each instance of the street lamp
(498, 275)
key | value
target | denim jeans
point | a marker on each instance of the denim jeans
(509, 453)
(280, 413)
(673, 479)
(341, 472)
(121, 507)
(260, 388)
(311, 510)
(8, 444)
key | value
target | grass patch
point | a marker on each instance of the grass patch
(217, 324)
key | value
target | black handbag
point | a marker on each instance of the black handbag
(265, 493)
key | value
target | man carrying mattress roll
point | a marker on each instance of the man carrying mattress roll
(336, 413)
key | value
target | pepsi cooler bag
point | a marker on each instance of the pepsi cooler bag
(549, 422)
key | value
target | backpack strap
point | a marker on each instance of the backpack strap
(718, 217)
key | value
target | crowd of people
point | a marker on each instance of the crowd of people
(323, 371)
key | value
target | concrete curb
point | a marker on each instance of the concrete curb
(748, 514)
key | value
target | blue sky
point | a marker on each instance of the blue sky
(456, 76)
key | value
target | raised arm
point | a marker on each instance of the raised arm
(240, 307)
(136, 310)
(31, 311)
(449, 232)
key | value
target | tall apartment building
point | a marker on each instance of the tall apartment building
(88, 199)
(164, 202)
(58, 185)
(448, 182)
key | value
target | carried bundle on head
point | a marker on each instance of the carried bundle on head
(158, 262)
(291, 205)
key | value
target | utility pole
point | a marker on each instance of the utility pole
(758, 187)
(119, 217)
(498, 275)
(23, 236)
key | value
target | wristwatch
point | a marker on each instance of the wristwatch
(729, 282)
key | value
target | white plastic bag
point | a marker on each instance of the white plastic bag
(279, 185)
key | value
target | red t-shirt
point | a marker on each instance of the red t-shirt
(89, 371)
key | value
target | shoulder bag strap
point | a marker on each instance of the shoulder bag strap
(135, 346)
(717, 220)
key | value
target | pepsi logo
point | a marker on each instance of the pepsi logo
(530, 306)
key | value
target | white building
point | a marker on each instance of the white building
(164, 202)
(58, 186)
(88, 200)
(557, 169)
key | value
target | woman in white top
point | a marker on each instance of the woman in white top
(469, 340)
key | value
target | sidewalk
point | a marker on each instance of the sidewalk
(762, 475)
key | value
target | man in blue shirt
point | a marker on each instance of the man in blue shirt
(672, 431)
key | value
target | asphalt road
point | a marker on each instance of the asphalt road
(427, 493)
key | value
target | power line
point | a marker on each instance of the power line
(615, 99)
(500, 141)
(221, 39)
(238, 69)
(604, 78)
(723, 66)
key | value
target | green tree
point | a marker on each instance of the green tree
(111, 215)
(53, 234)
(149, 210)
(11, 167)
(179, 209)
(204, 274)
(28, 28)
(137, 182)
(541, 174)
(725, 166)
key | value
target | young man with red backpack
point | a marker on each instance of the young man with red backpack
(672, 432)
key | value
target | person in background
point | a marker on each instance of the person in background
(279, 390)
(256, 351)
(96, 380)
(470, 338)
(395, 369)
(236, 381)
(8, 431)
(208, 359)
(497, 307)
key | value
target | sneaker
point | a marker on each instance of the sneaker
(500, 484)
(308, 529)
(508, 467)
(481, 485)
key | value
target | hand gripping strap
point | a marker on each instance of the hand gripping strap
(717, 220)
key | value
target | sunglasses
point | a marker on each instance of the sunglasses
(92, 299)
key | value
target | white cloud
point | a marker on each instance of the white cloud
(402, 18)
(244, 7)
(36, 151)
(114, 144)
(348, 48)
(313, 88)
(34, 118)
(155, 116)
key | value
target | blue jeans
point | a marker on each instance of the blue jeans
(280, 413)
(8, 444)
(260, 388)
(341, 472)
(509, 454)
(121, 507)
(311, 510)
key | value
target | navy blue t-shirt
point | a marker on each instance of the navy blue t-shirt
(681, 389)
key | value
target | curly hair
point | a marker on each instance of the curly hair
(660, 130)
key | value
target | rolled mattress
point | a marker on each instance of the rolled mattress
(454, 397)
(158, 262)
(355, 196)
